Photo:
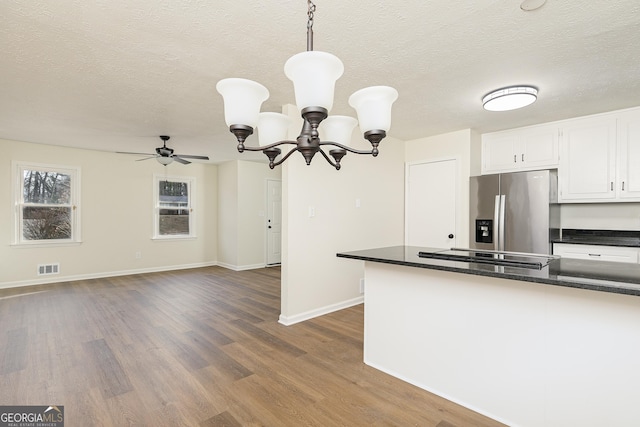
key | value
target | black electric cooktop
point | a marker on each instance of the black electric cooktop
(510, 259)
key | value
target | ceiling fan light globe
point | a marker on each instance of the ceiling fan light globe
(164, 160)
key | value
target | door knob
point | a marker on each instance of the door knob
(269, 227)
(451, 236)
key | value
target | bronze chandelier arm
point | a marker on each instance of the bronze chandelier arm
(345, 147)
(266, 147)
(331, 162)
(286, 156)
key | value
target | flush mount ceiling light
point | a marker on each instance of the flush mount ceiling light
(510, 98)
(314, 75)
(529, 5)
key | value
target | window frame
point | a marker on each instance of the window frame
(191, 188)
(18, 168)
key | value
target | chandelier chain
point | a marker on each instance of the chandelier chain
(310, 12)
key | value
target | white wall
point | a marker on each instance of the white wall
(314, 280)
(228, 214)
(241, 213)
(455, 145)
(117, 217)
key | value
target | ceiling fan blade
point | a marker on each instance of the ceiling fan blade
(146, 158)
(179, 160)
(186, 156)
(139, 154)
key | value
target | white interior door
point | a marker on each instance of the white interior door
(274, 222)
(430, 206)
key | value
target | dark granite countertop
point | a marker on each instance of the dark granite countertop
(600, 237)
(599, 276)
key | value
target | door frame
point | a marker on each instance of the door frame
(458, 188)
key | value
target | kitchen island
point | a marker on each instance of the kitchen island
(553, 346)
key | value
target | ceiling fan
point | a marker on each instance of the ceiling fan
(164, 155)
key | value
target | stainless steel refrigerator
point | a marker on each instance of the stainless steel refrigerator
(515, 212)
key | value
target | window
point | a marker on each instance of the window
(174, 216)
(47, 206)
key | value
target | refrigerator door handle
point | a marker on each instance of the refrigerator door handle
(503, 205)
(496, 224)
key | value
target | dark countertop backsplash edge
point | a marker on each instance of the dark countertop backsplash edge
(628, 238)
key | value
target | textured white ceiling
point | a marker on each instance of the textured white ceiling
(113, 75)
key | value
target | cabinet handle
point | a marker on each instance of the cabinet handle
(594, 254)
(523, 157)
(611, 185)
(514, 158)
(622, 185)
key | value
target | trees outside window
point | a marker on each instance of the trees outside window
(46, 204)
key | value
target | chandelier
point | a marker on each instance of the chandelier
(314, 75)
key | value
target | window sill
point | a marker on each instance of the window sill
(170, 238)
(44, 245)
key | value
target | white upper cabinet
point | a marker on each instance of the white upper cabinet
(530, 148)
(588, 160)
(628, 177)
(600, 158)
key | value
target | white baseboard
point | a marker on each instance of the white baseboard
(240, 267)
(290, 320)
(57, 278)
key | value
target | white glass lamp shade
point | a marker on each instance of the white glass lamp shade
(373, 105)
(510, 98)
(242, 100)
(314, 76)
(164, 160)
(337, 129)
(272, 127)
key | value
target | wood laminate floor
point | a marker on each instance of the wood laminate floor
(198, 347)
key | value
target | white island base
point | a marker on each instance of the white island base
(525, 354)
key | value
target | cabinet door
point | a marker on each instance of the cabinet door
(499, 152)
(539, 147)
(596, 253)
(628, 182)
(528, 148)
(587, 161)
